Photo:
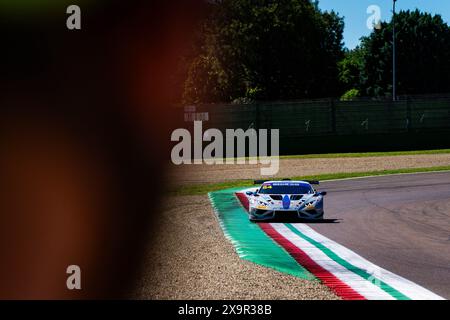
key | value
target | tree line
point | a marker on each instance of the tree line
(267, 50)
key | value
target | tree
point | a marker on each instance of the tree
(350, 69)
(285, 49)
(423, 56)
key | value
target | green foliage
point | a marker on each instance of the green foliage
(289, 49)
(254, 93)
(423, 57)
(285, 49)
(350, 68)
(350, 95)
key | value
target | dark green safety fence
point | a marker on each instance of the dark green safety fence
(323, 126)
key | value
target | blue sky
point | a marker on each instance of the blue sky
(355, 13)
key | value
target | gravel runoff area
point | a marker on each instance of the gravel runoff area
(192, 259)
(198, 174)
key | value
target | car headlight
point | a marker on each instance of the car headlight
(312, 201)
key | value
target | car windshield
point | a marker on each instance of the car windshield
(285, 188)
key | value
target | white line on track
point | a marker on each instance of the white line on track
(405, 286)
(366, 288)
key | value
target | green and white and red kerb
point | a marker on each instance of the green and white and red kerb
(298, 250)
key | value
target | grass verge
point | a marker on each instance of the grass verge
(200, 189)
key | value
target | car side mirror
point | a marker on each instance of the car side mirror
(322, 193)
(249, 193)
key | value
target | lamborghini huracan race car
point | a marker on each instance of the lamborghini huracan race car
(285, 199)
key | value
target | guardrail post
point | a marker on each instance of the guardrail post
(408, 114)
(333, 115)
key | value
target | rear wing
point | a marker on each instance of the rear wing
(316, 182)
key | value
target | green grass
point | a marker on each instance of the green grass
(200, 189)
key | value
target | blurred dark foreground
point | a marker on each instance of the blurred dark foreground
(84, 131)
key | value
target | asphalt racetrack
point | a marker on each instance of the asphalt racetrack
(401, 223)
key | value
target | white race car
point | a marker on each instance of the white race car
(285, 199)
